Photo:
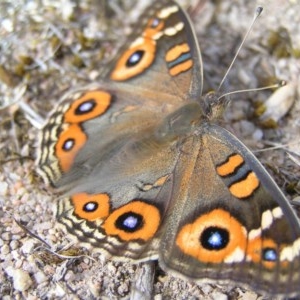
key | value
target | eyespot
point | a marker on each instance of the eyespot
(91, 206)
(130, 222)
(85, 107)
(135, 60)
(68, 144)
(91, 105)
(154, 23)
(264, 251)
(154, 29)
(136, 220)
(213, 237)
(269, 254)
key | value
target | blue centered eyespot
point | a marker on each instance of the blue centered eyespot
(214, 238)
(90, 206)
(135, 58)
(130, 222)
(155, 23)
(269, 254)
(85, 107)
(68, 144)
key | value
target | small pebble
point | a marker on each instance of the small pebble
(18, 263)
(3, 188)
(219, 296)
(69, 276)
(6, 236)
(14, 244)
(40, 277)
(59, 291)
(5, 249)
(21, 279)
(258, 134)
(28, 246)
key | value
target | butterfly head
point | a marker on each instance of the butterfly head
(214, 104)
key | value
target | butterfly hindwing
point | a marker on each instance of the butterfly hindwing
(236, 224)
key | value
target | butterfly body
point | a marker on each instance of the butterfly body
(150, 176)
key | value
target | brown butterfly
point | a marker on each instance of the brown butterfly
(150, 176)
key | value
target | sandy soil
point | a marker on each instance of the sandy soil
(48, 47)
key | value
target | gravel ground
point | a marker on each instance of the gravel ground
(48, 47)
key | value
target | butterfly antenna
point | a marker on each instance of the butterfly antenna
(258, 11)
(273, 86)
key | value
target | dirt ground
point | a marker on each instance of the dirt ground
(49, 47)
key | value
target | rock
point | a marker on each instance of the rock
(21, 279)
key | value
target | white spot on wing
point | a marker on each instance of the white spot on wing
(173, 30)
(167, 11)
(254, 233)
(277, 212)
(138, 41)
(266, 219)
(237, 255)
(290, 252)
(157, 36)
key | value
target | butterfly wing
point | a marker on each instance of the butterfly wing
(161, 59)
(158, 69)
(235, 223)
(102, 144)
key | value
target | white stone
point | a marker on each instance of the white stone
(3, 188)
(219, 296)
(21, 279)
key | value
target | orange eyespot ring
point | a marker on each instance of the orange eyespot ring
(134, 61)
(68, 145)
(91, 105)
(263, 251)
(91, 206)
(136, 220)
(213, 237)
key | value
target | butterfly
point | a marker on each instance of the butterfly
(148, 175)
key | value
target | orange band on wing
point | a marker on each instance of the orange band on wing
(245, 187)
(181, 68)
(176, 52)
(230, 166)
(179, 59)
(91, 207)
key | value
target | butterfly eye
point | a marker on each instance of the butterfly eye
(214, 238)
(130, 222)
(135, 58)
